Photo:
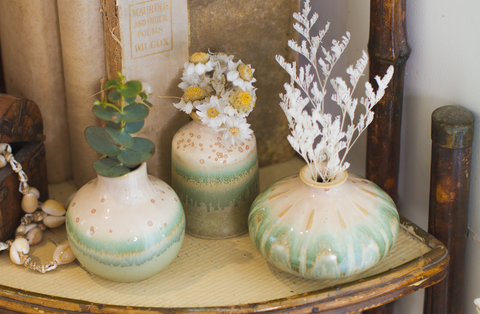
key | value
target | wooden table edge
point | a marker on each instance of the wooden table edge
(352, 297)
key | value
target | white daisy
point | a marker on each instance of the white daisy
(241, 75)
(190, 99)
(186, 107)
(236, 130)
(200, 63)
(222, 59)
(191, 78)
(242, 101)
(230, 111)
(212, 112)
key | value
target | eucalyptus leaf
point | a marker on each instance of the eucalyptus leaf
(130, 100)
(100, 141)
(134, 127)
(120, 136)
(113, 125)
(114, 95)
(141, 150)
(134, 113)
(132, 88)
(146, 102)
(107, 113)
(110, 168)
(130, 127)
(112, 83)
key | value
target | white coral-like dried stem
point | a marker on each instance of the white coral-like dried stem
(324, 141)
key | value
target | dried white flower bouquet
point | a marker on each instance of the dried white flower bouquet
(318, 138)
(220, 92)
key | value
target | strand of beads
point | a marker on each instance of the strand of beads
(38, 217)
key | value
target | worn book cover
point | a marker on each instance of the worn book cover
(151, 40)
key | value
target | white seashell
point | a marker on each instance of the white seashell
(3, 145)
(34, 236)
(14, 257)
(42, 227)
(54, 208)
(69, 199)
(34, 191)
(477, 304)
(63, 254)
(21, 245)
(30, 227)
(53, 221)
(29, 203)
(3, 161)
(22, 229)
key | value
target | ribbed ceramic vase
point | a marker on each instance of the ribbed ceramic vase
(126, 228)
(324, 230)
(216, 181)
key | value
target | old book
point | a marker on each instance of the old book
(32, 64)
(148, 41)
(83, 51)
(151, 40)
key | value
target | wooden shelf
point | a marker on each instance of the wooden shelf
(221, 276)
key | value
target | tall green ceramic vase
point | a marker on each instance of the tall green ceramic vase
(215, 180)
(324, 230)
(126, 228)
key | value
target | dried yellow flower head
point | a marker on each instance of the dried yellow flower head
(212, 112)
(199, 57)
(234, 131)
(242, 101)
(194, 93)
(245, 72)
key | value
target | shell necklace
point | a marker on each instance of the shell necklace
(38, 217)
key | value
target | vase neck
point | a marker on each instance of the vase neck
(307, 178)
(134, 180)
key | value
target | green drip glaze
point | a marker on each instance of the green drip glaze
(125, 254)
(270, 233)
(216, 188)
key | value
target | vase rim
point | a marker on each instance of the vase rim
(134, 173)
(195, 116)
(306, 176)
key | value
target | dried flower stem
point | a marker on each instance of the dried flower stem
(317, 137)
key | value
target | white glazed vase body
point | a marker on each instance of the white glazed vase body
(216, 181)
(126, 228)
(324, 230)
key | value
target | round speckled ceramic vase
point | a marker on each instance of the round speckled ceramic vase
(323, 230)
(216, 181)
(126, 228)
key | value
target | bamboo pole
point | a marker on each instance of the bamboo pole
(452, 137)
(387, 46)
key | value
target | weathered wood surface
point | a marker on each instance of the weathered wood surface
(21, 120)
(349, 297)
(387, 46)
(452, 137)
(21, 125)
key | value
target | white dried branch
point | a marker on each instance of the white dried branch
(324, 141)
